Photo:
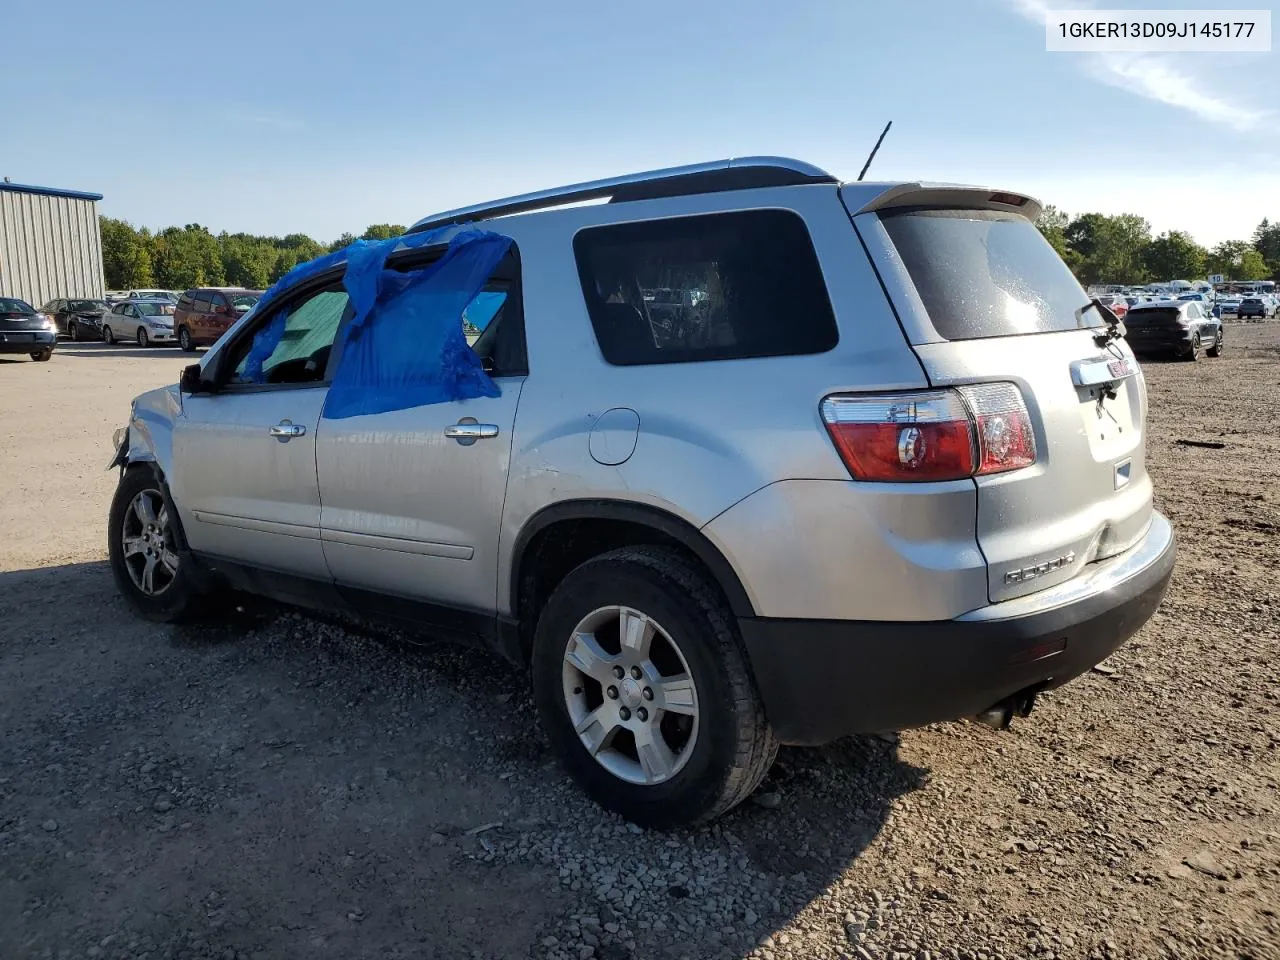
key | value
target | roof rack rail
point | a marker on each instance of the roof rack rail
(740, 173)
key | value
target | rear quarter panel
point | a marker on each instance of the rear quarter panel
(710, 433)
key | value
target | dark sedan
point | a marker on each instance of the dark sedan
(1251, 307)
(23, 330)
(1181, 327)
(77, 319)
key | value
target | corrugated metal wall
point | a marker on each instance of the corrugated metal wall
(49, 247)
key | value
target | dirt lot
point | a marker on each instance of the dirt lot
(277, 786)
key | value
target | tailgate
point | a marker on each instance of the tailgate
(1088, 495)
(984, 298)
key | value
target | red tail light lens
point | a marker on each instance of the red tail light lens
(931, 435)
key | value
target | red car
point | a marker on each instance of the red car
(206, 313)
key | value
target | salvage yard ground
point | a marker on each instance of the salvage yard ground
(276, 786)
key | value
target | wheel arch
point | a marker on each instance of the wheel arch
(559, 537)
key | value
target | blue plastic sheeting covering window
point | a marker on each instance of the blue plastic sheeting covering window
(405, 345)
(264, 345)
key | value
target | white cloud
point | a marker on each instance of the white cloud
(1164, 78)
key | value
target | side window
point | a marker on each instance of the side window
(292, 343)
(202, 304)
(714, 287)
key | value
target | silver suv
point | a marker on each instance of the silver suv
(749, 456)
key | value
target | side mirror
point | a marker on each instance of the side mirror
(191, 381)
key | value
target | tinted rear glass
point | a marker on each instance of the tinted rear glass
(1160, 315)
(987, 274)
(715, 287)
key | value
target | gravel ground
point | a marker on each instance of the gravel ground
(274, 785)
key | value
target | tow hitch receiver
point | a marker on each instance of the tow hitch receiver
(1000, 716)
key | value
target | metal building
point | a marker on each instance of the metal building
(50, 243)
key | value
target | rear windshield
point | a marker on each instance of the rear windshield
(9, 305)
(1153, 315)
(987, 274)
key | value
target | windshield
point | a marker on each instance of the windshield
(987, 274)
(11, 306)
(243, 301)
(155, 309)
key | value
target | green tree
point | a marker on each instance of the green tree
(1111, 248)
(1266, 240)
(343, 241)
(246, 260)
(1082, 233)
(1174, 256)
(382, 231)
(1237, 260)
(126, 255)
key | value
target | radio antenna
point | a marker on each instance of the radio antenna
(875, 149)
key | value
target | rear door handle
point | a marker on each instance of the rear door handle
(468, 432)
(286, 430)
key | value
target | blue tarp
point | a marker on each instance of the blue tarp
(405, 345)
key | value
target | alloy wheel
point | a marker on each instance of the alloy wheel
(142, 337)
(630, 695)
(145, 535)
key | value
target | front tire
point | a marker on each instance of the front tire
(108, 336)
(73, 331)
(142, 338)
(145, 547)
(680, 736)
(184, 340)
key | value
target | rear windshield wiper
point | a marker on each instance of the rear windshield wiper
(1115, 327)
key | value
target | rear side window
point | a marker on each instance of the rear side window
(987, 274)
(717, 287)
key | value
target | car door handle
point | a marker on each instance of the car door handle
(465, 432)
(286, 430)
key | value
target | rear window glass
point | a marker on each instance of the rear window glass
(717, 287)
(987, 274)
(1136, 318)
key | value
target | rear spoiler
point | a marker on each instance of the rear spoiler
(883, 196)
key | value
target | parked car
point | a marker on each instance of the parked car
(23, 329)
(1118, 304)
(152, 295)
(1181, 327)
(695, 567)
(144, 321)
(115, 296)
(206, 313)
(77, 319)
(1229, 304)
(1252, 308)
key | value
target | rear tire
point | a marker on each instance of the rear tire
(108, 337)
(1216, 349)
(1193, 354)
(144, 522)
(42, 356)
(184, 340)
(706, 754)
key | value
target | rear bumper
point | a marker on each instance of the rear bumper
(18, 342)
(1151, 340)
(824, 679)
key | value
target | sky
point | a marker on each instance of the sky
(323, 117)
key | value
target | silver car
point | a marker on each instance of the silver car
(143, 321)
(883, 467)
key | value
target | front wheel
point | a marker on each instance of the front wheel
(184, 339)
(73, 331)
(644, 690)
(145, 548)
(142, 338)
(1216, 349)
(108, 336)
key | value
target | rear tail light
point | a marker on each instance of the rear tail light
(931, 435)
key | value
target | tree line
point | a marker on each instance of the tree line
(1097, 247)
(1120, 249)
(177, 258)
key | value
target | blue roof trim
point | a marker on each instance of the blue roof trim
(49, 191)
